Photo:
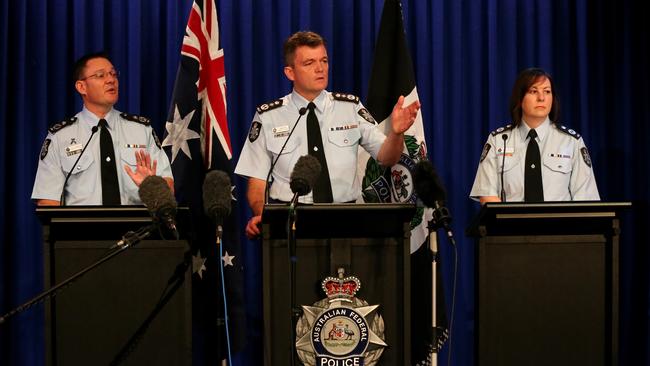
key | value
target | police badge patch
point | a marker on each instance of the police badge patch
(45, 148)
(156, 139)
(367, 116)
(254, 132)
(585, 156)
(341, 329)
(486, 149)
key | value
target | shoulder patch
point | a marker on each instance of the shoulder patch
(156, 139)
(568, 131)
(45, 148)
(254, 132)
(585, 156)
(271, 105)
(60, 125)
(346, 97)
(485, 151)
(502, 129)
(367, 116)
(135, 118)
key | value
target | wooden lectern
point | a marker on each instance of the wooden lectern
(134, 309)
(547, 283)
(370, 241)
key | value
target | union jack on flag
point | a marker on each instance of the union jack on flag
(197, 140)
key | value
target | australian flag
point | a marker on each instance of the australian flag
(197, 141)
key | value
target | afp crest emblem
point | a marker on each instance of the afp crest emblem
(340, 330)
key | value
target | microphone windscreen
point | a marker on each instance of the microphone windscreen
(217, 195)
(156, 195)
(304, 174)
(427, 184)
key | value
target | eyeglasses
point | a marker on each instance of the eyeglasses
(101, 75)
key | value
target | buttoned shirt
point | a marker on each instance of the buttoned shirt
(567, 174)
(63, 146)
(345, 125)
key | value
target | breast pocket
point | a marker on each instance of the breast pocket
(558, 165)
(286, 157)
(68, 163)
(344, 138)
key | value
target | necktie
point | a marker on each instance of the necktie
(110, 186)
(323, 187)
(533, 190)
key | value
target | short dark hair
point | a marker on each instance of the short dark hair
(302, 38)
(524, 81)
(80, 65)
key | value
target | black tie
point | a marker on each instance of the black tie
(323, 187)
(110, 186)
(533, 190)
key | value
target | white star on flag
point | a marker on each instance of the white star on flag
(178, 133)
(227, 259)
(198, 264)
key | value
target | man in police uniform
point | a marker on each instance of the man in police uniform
(566, 168)
(136, 147)
(344, 125)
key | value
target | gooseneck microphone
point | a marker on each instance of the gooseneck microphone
(303, 176)
(503, 164)
(62, 199)
(301, 112)
(159, 200)
(217, 197)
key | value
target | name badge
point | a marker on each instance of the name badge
(280, 131)
(73, 149)
(558, 155)
(135, 146)
(344, 127)
(509, 151)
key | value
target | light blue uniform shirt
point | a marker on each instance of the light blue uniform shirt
(567, 174)
(62, 148)
(345, 125)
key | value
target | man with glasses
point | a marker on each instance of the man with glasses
(100, 156)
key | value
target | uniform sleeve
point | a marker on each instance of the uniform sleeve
(372, 137)
(486, 182)
(255, 158)
(158, 153)
(48, 183)
(583, 182)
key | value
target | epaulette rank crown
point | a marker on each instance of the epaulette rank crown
(346, 97)
(502, 129)
(135, 118)
(269, 106)
(60, 125)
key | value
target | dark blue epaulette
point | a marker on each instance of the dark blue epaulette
(346, 97)
(56, 127)
(135, 118)
(568, 131)
(271, 105)
(502, 129)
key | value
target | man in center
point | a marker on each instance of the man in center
(340, 125)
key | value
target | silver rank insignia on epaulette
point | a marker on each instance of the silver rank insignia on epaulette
(60, 125)
(268, 106)
(341, 329)
(135, 118)
(501, 129)
(569, 131)
(346, 97)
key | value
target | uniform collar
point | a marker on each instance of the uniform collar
(299, 101)
(542, 130)
(92, 120)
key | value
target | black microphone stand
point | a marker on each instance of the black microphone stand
(291, 246)
(129, 239)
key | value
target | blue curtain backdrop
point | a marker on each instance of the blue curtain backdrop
(466, 56)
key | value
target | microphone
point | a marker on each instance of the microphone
(159, 200)
(431, 192)
(62, 199)
(303, 176)
(503, 164)
(301, 112)
(217, 197)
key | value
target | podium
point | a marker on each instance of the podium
(547, 283)
(370, 241)
(135, 307)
